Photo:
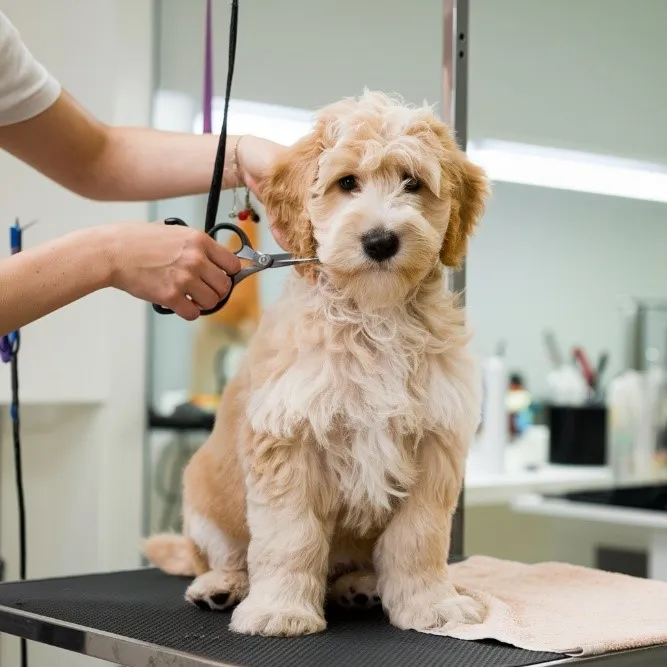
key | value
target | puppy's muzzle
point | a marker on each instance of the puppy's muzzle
(380, 244)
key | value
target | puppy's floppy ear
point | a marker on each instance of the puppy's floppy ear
(469, 190)
(286, 192)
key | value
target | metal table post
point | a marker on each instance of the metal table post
(455, 113)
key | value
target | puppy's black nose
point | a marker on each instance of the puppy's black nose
(380, 244)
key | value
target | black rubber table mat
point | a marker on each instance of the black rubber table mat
(148, 606)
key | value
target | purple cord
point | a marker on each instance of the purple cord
(6, 350)
(208, 72)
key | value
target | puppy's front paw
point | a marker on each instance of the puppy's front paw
(216, 591)
(435, 608)
(356, 589)
(250, 619)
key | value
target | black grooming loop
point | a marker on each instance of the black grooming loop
(213, 203)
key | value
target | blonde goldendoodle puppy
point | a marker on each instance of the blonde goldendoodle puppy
(339, 449)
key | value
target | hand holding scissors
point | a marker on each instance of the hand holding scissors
(259, 261)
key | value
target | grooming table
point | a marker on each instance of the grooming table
(139, 619)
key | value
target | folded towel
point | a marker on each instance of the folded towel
(560, 608)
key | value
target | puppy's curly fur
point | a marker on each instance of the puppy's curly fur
(339, 449)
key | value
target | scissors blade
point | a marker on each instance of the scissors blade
(286, 259)
(292, 262)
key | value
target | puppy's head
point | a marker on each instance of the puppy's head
(380, 192)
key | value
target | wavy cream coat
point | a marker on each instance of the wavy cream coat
(339, 449)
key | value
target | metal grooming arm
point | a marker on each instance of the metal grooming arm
(455, 113)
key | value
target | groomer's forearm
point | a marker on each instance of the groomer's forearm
(70, 146)
(36, 282)
(143, 164)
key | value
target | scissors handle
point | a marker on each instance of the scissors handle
(245, 240)
(245, 243)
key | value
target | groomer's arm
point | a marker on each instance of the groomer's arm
(150, 261)
(70, 146)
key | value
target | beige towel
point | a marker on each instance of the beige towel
(561, 608)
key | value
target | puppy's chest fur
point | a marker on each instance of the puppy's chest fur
(364, 389)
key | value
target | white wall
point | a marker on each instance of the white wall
(570, 73)
(306, 54)
(83, 463)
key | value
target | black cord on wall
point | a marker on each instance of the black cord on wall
(15, 413)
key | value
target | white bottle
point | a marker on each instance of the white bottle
(624, 421)
(645, 450)
(493, 438)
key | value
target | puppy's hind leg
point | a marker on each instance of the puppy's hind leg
(226, 583)
(352, 578)
(356, 589)
(217, 590)
(174, 554)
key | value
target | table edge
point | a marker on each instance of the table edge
(96, 643)
(135, 653)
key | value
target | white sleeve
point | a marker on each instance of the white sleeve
(26, 88)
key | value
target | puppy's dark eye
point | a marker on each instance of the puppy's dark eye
(411, 184)
(348, 183)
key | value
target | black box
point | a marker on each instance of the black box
(577, 434)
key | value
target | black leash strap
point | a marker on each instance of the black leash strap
(213, 202)
(18, 471)
(9, 352)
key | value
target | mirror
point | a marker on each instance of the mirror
(564, 112)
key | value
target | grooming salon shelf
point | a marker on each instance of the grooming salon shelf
(641, 507)
(516, 480)
(139, 619)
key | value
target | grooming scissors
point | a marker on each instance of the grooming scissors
(259, 261)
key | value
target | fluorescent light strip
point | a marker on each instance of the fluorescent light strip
(570, 170)
(284, 125)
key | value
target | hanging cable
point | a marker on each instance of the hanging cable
(9, 353)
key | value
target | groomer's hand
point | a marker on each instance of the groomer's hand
(177, 267)
(256, 155)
